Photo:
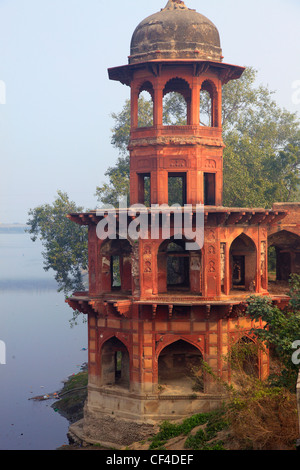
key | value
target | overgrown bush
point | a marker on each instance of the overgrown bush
(263, 417)
(281, 330)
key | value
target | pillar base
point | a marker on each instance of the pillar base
(116, 418)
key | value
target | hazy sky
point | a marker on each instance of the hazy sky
(55, 128)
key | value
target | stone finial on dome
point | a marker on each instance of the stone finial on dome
(175, 5)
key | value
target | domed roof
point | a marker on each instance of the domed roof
(176, 32)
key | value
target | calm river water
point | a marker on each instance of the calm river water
(42, 349)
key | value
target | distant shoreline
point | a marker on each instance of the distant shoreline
(28, 285)
(12, 228)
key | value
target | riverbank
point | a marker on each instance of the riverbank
(72, 396)
(267, 413)
(69, 403)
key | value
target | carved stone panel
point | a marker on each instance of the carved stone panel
(177, 163)
(222, 261)
(147, 259)
(263, 257)
(210, 164)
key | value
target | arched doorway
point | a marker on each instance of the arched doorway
(243, 264)
(115, 368)
(284, 255)
(180, 368)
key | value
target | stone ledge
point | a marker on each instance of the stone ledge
(109, 432)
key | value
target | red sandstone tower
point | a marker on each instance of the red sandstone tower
(156, 309)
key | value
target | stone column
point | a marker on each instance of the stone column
(158, 104)
(134, 107)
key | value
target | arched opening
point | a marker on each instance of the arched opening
(208, 111)
(180, 368)
(116, 266)
(176, 103)
(178, 269)
(115, 364)
(145, 105)
(243, 264)
(283, 257)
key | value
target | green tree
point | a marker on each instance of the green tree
(64, 242)
(262, 154)
(117, 185)
(256, 175)
(281, 330)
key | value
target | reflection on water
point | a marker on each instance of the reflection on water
(41, 347)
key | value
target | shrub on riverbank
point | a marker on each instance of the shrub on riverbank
(72, 396)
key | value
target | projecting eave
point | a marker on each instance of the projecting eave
(91, 304)
(213, 215)
(226, 72)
